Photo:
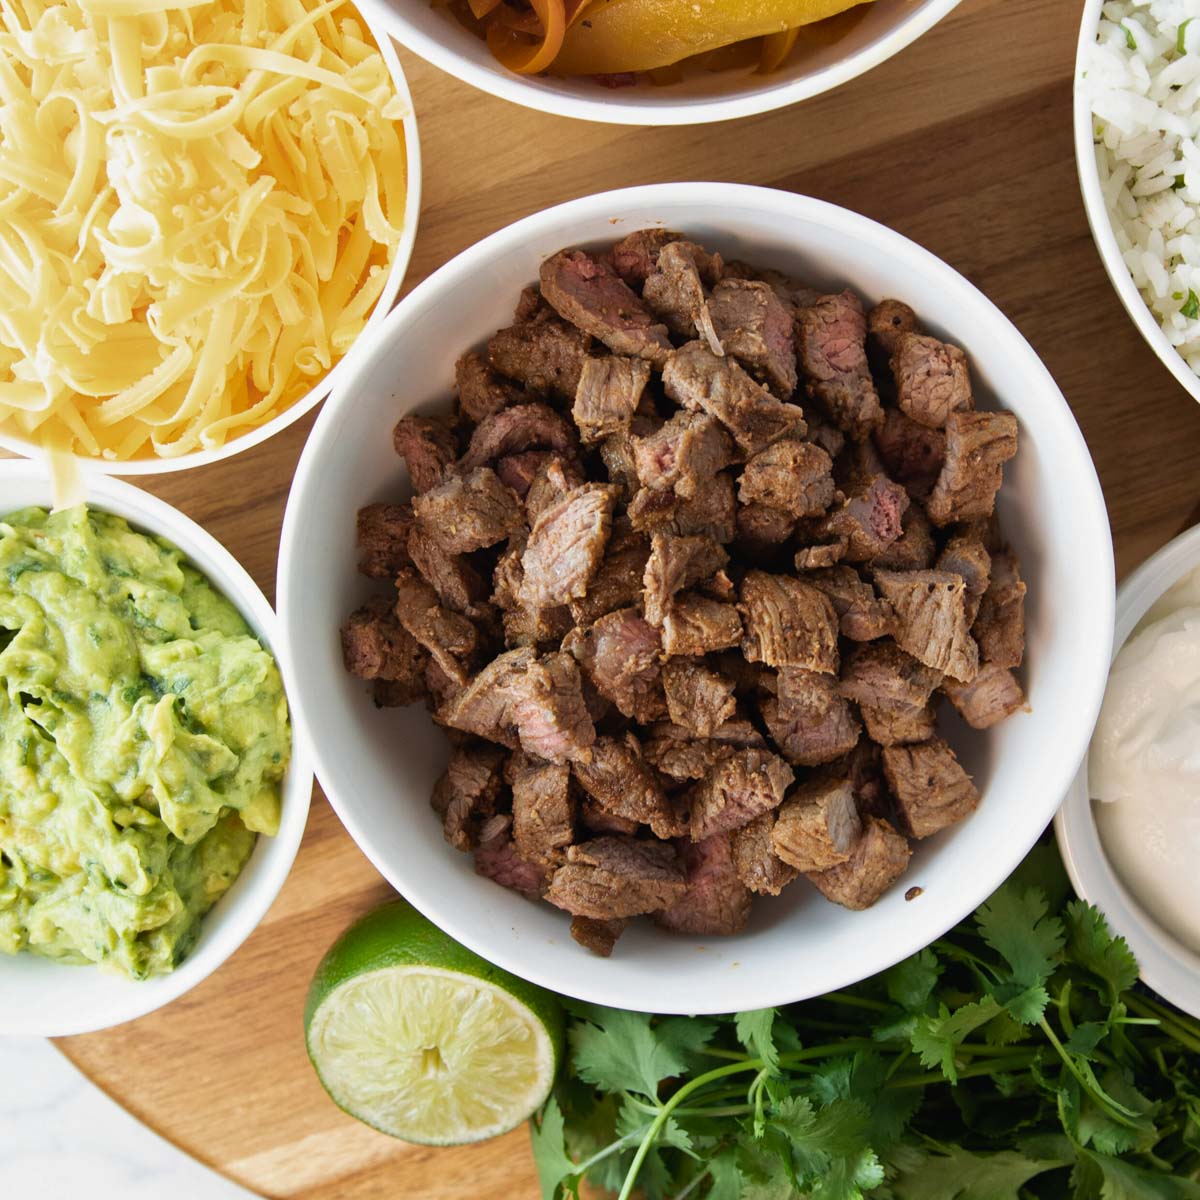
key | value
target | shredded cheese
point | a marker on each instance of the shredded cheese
(199, 204)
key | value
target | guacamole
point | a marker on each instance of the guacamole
(143, 739)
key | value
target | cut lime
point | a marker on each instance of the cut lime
(424, 1040)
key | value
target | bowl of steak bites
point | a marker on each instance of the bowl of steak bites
(699, 599)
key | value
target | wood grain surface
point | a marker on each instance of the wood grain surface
(962, 142)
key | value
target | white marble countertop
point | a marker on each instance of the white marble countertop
(61, 1136)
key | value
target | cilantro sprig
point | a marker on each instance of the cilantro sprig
(1015, 1059)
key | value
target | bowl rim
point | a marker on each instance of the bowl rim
(615, 110)
(156, 517)
(1166, 964)
(1101, 224)
(397, 272)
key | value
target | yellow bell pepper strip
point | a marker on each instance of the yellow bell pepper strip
(775, 48)
(481, 8)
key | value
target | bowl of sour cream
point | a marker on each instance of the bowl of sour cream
(1129, 829)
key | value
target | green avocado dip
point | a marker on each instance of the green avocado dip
(143, 738)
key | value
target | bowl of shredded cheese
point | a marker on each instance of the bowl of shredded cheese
(203, 205)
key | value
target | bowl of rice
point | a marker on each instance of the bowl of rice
(1137, 117)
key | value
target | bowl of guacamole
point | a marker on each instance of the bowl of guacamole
(151, 798)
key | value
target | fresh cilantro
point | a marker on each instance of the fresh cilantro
(554, 1167)
(1191, 309)
(958, 1174)
(1016, 926)
(1089, 942)
(754, 1032)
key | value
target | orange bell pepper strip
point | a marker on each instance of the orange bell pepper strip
(518, 52)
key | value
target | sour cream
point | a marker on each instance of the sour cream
(1144, 765)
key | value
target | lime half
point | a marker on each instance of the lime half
(422, 1039)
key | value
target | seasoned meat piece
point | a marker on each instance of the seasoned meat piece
(524, 624)
(881, 675)
(966, 555)
(518, 471)
(614, 877)
(821, 556)
(754, 858)
(1000, 625)
(697, 379)
(481, 391)
(931, 619)
(484, 706)
(548, 711)
(567, 544)
(814, 729)
(678, 754)
(791, 475)
(915, 548)
(817, 825)
(990, 697)
(930, 788)
(497, 859)
(458, 585)
(870, 519)
(546, 355)
(513, 430)
(610, 390)
(531, 306)
(543, 810)
(428, 447)
(441, 687)
(755, 326)
(831, 339)
(592, 296)
(616, 452)
(597, 936)
(794, 293)
(554, 480)
(718, 586)
(382, 531)
(596, 819)
(467, 791)
(635, 255)
(931, 379)
(468, 512)
(695, 625)
(674, 564)
(911, 454)
(618, 779)
(717, 902)
(709, 514)
(898, 725)
(862, 615)
(699, 699)
(831, 439)
(450, 638)
(376, 646)
(877, 860)
(886, 322)
(788, 623)
(674, 292)
(761, 530)
(618, 580)
(683, 455)
(978, 444)
(736, 790)
(620, 654)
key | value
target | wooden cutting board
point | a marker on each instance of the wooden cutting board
(962, 142)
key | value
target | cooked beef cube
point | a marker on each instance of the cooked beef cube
(881, 675)
(610, 390)
(791, 475)
(467, 791)
(531, 306)
(736, 790)
(821, 556)
(878, 859)
(635, 255)
(978, 444)
(524, 624)
(497, 858)
(481, 391)
(695, 625)
(554, 480)
(548, 710)
(761, 530)
(966, 555)
(516, 429)
(458, 585)
(518, 471)
(450, 638)
(915, 548)
(674, 292)
(376, 646)
(931, 379)
(382, 531)
(808, 720)
(898, 725)
(870, 519)
(620, 653)
(886, 322)
(699, 699)
(831, 439)
(718, 586)
(862, 615)
(911, 454)
(755, 326)
(1000, 624)
(567, 544)
(617, 582)
(616, 453)
(931, 619)
(788, 623)
(546, 355)
(864, 768)
(484, 706)
(674, 564)
(684, 454)
(595, 818)
(468, 512)
(676, 753)
(754, 858)
(592, 296)
(990, 697)
(543, 811)
(597, 936)
(930, 788)
(441, 687)
(710, 514)
(717, 902)
(817, 825)
(619, 780)
(428, 447)
(614, 877)
(831, 339)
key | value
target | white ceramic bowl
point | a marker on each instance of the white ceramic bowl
(307, 402)
(884, 30)
(377, 766)
(1098, 218)
(39, 997)
(1168, 966)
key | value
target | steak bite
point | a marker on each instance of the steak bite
(609, 392)
(376, 646)
(761, 530)
(566, 545)
(881, 675)
(683, 455)
(548, 710)
(498, 859)
(592, 296)
(698, 698)
(869, 520)
(450, 638)
(467, 792)
(930, 788)
(966, 555)
(382, 538)
(817, 825)
(428, 447)
(674, 292)
(736, 790)
(543, 809)
(1000, 624)
(610, 878)
(617, 582)
(794, 293)
(754, 858)
(898, 725)
(484, 706)
(694, 626)
(831, 338)
(620, 655)
(555, 478)
(482, 391)
(636, 254)
(915, 548)
(711, 513)
(911, 454)
(597, 936)
(716, 902)
(931, 377)
(674, 564)
(791, 475)
(545, 354)
(468, 512)
(458, 584)
(788, 623)
(676, 753)
(518, 471)
(989, 698)
(524, 624)
(887, 322)
(618, 779)
(877, 860)
(978, 444)
(755, 326)
(516, 429)
(821, 556)
(862, 615)
(812, 724)
(931, 619)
